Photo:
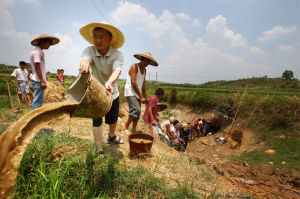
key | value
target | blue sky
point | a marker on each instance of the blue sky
(194, 41)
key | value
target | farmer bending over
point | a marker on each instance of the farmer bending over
(106, 63)
(151, 116)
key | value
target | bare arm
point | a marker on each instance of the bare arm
(39, 73)
(112, 79)
(84, 66)
(151, 116)
(133, 72)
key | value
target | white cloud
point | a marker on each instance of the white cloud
(201, 62)
(188, 61)
(15, 45)
(134, 14)
(286, 48)
(8, 30)
(196, 22)
(276, 32)
(165, 25)
(257, 50)
(219, 32)
(66, 54)
(183, 16)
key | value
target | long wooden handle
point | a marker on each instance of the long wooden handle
(11, 106)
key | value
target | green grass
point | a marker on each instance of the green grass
(232, 91)
(286, 157)
(83, 174)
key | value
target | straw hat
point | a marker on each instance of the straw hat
(185, 125)
(148, 56)
(35, 42)
(172, 119)
(117, 36)
(178, 124)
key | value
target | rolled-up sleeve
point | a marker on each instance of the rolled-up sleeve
(87, 54)
(36, 56)
(118, 62)
(14, 74)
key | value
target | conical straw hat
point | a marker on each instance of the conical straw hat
(35, 42)
(148, 56)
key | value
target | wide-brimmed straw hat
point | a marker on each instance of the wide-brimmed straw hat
(117, 36)
(148, 56)
(35, 42)
(185, 125)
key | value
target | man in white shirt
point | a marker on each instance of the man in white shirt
(106, 63)
(37, 59)
(168, 130)
(21, 76)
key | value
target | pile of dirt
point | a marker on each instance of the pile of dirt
(61, 151)
(54, 92)
(260, 182)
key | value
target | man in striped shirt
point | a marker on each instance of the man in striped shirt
(151, 116)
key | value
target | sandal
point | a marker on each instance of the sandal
(101, 154)
(115, 140)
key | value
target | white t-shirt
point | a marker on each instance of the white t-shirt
(20, 75)
(129, 90)
(103, 66)
(164, 125)
(37, 56)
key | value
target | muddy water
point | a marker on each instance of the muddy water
(139, 140)
(15, 140)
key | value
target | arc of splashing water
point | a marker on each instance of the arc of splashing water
(86, 97)
(16, 138)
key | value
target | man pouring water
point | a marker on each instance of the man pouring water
(106, 63)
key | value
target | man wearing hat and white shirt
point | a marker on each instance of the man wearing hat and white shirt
(106, 63)
(135, 88)
(37, 60)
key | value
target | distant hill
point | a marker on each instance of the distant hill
(256, 83)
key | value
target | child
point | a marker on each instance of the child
(151, 116)
(62, 77)
(58, 76)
